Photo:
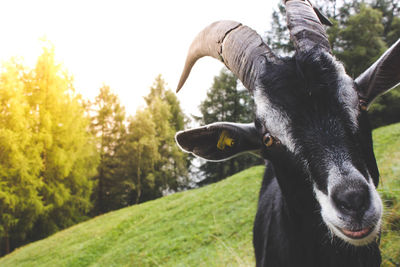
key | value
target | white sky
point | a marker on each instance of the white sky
(124, 44)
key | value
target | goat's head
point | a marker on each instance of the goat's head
(310, 116)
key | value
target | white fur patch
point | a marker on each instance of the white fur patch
(346, 93)
(331, 216)
(276, 120)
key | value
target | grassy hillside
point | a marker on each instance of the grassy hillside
(387, 152)
(211, 226)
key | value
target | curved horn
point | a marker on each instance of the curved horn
(237, 46)
(382, 76)
(305, 27)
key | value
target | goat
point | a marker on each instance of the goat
(318, 204)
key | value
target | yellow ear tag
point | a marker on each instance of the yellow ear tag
(224, 140)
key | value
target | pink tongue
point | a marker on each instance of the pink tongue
(356, 234)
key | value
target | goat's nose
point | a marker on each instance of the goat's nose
(352, 199)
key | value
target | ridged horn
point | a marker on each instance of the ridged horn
(382, 76)
(240, 48)
(306, 30)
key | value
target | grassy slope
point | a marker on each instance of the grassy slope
(210, 226)
(387, 152)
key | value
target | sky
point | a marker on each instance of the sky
(124, 44)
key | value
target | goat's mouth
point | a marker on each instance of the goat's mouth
(357, 237)
(357, 234)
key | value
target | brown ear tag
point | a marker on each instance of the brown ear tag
(225, 140)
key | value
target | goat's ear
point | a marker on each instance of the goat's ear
(382, 76)
(219, 141)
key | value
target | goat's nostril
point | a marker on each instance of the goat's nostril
(351, 199)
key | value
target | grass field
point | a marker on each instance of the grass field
(210, 226)
(387, 152)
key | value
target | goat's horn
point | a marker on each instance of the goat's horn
(240, 48)
(305, 26)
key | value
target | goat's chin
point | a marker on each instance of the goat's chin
(358, 238)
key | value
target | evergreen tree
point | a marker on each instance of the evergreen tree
(68, 157)
(140, 154)
(159, 91)
(394, 31)
(47, 157)
(386, 109)
(361, 42)
(170, 172)
(20, 163)
(390, 10)
(141, 161)
(108, 126)
(225, 102)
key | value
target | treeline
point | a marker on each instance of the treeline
(139, 160)
(63, 159)
(361, 32)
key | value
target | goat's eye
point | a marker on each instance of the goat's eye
(268, 140)
(363, 105)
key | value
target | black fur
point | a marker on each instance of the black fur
(295, 235)
(288, 228)
(318, 203)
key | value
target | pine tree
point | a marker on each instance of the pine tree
(20, 163)
(108, 126)
(170, 170)
(47, 157)
(361, 42)
(67, 153)
(225, 102)
(140, 154)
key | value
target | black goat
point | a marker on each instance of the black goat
(318, 203)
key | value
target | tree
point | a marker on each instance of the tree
(390, 10)
(108, 126)
(20, 163)
(66, 149)
(140, 154)
(170, 170)
(394, 31)
(361, 42)
(47, 156)
(226, 102)
(140, 161)
(152, 164)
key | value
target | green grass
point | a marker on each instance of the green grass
(210, 226)
(387, 152)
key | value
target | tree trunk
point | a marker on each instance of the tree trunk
(100, 191)
(6, 240)
(138, 184)
(100, 200)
